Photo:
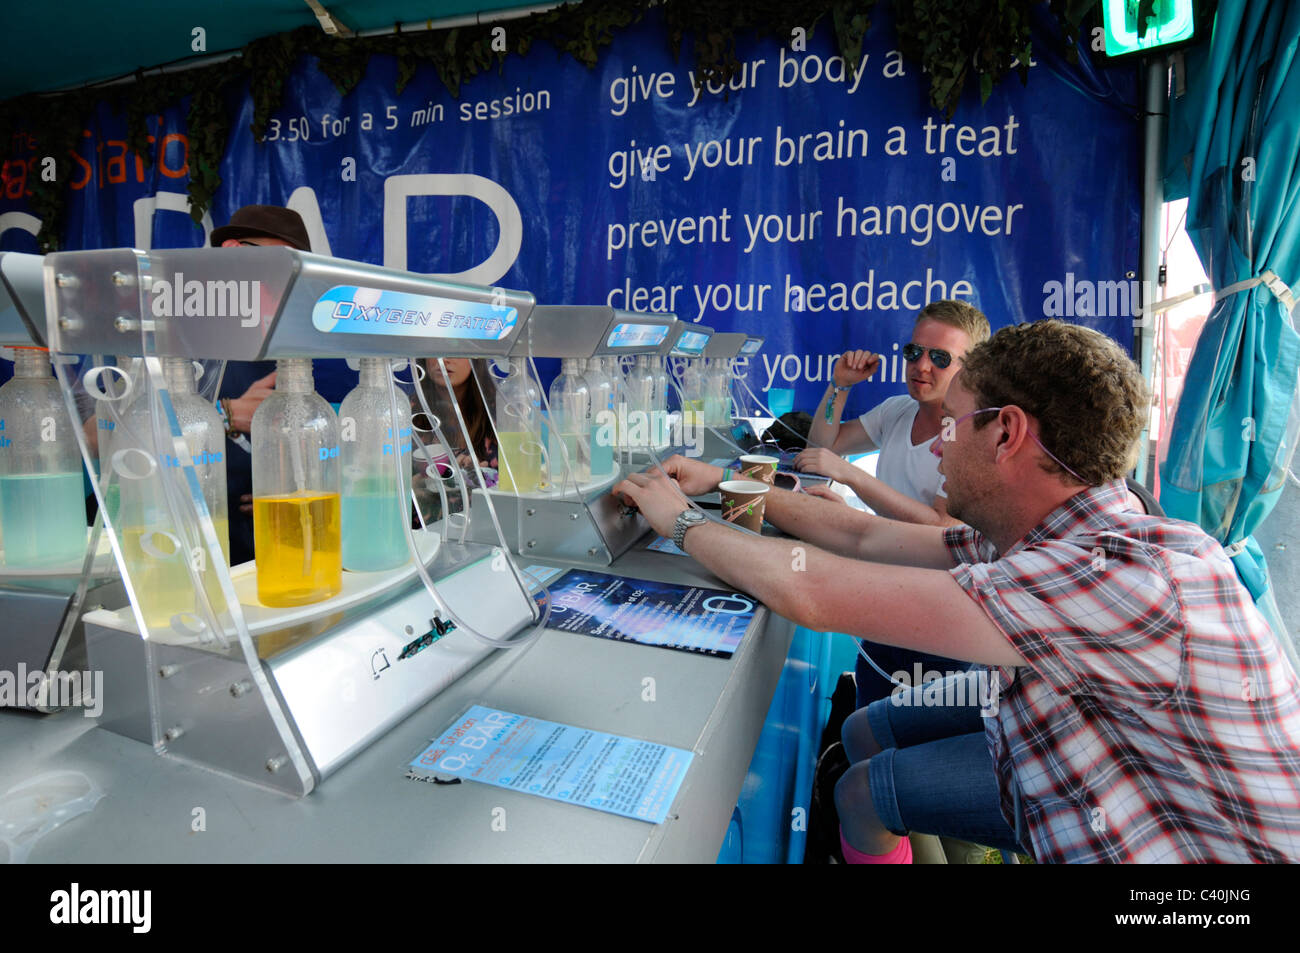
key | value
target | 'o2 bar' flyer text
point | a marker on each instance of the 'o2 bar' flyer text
(625, 776)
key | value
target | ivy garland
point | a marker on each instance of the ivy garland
(954, 40)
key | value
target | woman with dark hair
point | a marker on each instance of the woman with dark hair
(462, 373)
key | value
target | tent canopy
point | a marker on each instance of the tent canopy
(54, 45)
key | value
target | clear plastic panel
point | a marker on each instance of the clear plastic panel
(232, 682)
(210, 701)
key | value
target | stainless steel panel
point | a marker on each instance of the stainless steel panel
(93, 301)
(120, 656)
(687, 328)
(250, 304)
(725, 345)
(563, 331)
(211, 716)
(348, 688)
(32, 618)
(591, 532)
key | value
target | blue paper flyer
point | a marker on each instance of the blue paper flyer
(689, 618)
(624, 776)
(661, 544)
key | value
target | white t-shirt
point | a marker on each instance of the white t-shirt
(909, 468)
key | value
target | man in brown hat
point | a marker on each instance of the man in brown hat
(246, 384)
(263, 225)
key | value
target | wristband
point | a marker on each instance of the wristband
(830, 401)
(227, 417)
(726, 474)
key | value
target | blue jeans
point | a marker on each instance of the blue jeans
(934, 773)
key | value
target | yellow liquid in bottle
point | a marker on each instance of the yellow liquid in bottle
(161, 578)
(299, 548)
(519, 463)
(158, 573)
(209, 574)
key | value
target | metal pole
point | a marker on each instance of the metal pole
(1156, 103)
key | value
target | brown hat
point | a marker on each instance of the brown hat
(265, 221)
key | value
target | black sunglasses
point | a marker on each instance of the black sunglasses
(940, 359)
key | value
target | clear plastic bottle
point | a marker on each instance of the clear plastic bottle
(613, 368)
(519, 446)
(604, 418)
(659, 408)
(641, 403)
(717, 394)
(570, 428)
(137, 460)
(42, 496)
(376, 506)
(129, 385)
(693, 394)
(205, 436)
(296, 489)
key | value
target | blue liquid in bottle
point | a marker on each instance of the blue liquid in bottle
(374, 535)
(602, 452)
(43, 516)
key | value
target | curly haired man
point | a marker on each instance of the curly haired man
(1131, 703)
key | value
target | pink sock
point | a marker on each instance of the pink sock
(902, 854)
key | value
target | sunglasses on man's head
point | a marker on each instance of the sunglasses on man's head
(940, 359)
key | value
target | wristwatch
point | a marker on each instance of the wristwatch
(685, 520)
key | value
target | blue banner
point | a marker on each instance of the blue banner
(815, 205)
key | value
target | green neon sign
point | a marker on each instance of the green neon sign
(1135, 26)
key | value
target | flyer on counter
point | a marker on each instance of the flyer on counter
(662, 544)
(689, 618)
(624, 776)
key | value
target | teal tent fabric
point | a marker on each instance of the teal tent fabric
(1234, 151)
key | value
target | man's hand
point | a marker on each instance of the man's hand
(826, 493)
(660, 500)
(695, 477)
(854, 367)
(242, 408)
(825, 462)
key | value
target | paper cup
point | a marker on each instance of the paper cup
(743, 502)
(756, 467)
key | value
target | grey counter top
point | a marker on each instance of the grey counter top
(370, 812)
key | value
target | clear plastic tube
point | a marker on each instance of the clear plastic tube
(445, 610)
(726, 437)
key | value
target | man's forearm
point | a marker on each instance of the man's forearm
(888, 502)
(823, 432)
(832, 526)
(912, 608)
(844, 531)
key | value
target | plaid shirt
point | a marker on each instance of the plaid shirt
(1155, 717)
